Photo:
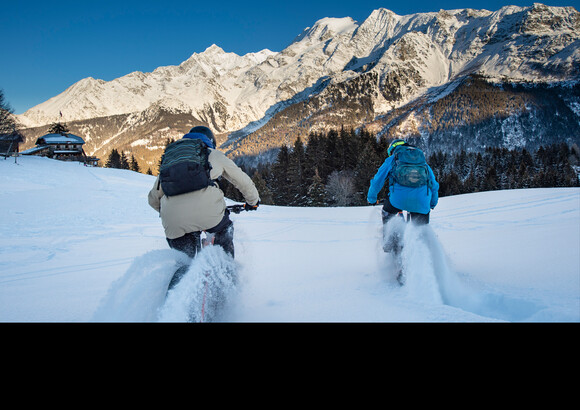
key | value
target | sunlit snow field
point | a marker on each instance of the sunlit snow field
(81, 244)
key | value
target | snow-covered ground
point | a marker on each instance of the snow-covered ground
(81, 244)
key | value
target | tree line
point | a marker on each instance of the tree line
(501, 168)
(120, 160)
(331, 169)
(335, 169)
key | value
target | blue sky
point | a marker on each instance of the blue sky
(50, 45)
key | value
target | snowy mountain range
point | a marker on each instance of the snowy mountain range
(386, 73)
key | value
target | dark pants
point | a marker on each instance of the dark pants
(392, 239)
(389, 211)
(190, 242)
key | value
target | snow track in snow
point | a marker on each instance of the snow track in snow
(140, 295)
(204, 292)
(429, 279)
(137, 295)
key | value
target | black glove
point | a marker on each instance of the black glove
(249, 207)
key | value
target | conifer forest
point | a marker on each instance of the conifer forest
(334, 169)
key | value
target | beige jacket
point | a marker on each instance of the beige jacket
(203, 209)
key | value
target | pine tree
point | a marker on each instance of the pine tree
(350, 145)
(524, 177)
(134, 165)
(279, 178)
(296, 174)
(470, 183)
(368, 164)
(490, 181)
(574, 155)
(124, 161)
(451, 184)
(7, 122)
(437, 162)
(58, 128)
(314, 156)
(316, 191)
(265, 193)
(332, 158)
(479, 170)
(114, 160)
(460, 164)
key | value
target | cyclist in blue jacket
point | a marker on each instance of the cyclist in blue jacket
(417, 201)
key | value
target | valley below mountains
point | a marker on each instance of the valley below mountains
(449, 80)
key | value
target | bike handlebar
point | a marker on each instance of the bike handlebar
(236, 208)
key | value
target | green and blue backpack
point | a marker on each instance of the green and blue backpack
(185, 167)
(409, 167)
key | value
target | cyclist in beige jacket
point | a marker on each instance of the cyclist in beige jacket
(184, 216)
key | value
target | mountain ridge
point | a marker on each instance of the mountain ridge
(377, 66)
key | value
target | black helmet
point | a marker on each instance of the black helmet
(200, 129)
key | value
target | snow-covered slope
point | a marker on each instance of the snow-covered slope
(81, 244)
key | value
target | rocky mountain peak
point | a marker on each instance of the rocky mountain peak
(372, 67)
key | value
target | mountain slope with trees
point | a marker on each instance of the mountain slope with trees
(334, 169)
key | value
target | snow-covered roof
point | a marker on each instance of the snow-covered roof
(60, 139)
(33, 150)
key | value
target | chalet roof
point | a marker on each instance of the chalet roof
(34, 150)
(59, 139)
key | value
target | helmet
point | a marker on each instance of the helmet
(200, 129)
(394, 144)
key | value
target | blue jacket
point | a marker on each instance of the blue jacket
(420, 200)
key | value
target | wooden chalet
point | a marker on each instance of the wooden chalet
(10, 143)
(64, 147)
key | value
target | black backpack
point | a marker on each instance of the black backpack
(184, 167)
(409, 167)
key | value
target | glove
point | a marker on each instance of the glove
(249, 207)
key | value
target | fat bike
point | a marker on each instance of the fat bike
(212, 295)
